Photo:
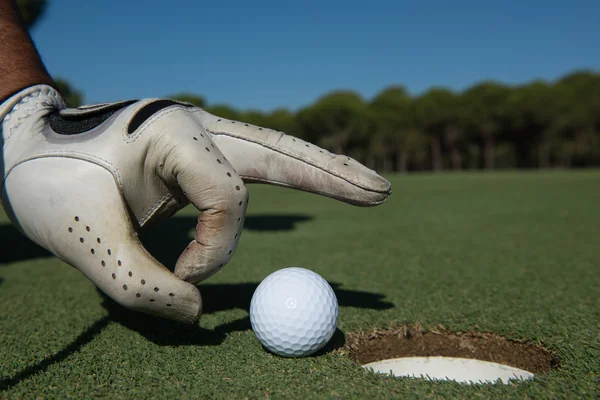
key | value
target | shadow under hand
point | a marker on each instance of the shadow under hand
(219, 297)
(17, 247)
(283, 222)
(226, 296)
(83, 339)
(166, 239)
(165, 332)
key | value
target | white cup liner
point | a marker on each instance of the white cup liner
(464, 370)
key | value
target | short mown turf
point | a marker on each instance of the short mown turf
(514, 253)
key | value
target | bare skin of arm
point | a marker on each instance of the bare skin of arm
(20, 62)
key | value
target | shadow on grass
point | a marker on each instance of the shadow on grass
(17, 247)
(226, 296)
(280, 222)
(41, 366)
(165, 240)
(169, 333)
(164, 332)
(216, 298)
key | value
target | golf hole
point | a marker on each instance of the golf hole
(437, 354)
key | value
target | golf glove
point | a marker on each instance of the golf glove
(82, 182)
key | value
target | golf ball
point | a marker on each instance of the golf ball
(294, 312)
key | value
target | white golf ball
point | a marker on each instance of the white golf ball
(294, 312)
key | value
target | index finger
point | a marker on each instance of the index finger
(267, 156)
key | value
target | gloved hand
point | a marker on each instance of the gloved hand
(83, 182)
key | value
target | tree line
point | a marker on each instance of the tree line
(490, 125)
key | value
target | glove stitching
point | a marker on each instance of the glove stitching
(37, 93)
(162, 201)
(310, 191)
(147, 124)
(268, 146)
(74, 155)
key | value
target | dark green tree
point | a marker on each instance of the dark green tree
(255, 117)
(223, 111)
(439, 115)
(577, 139)
(32, 11)
(485, 116)
(534, 111)
(71, 96)
(397, 136)
(189, 98)
(284, 121)
(336, 121)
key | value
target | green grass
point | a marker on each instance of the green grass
(512, 253)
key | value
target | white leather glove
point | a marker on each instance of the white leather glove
(82, 182)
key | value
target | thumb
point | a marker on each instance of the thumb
(87, 226)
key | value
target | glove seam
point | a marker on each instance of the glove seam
(294, 157)
(147, 124)
(42, 91)
(310, 191)
(73, 155)
(162, 201)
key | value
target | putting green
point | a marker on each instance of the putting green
(513, 253)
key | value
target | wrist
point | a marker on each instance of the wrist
(20, 63)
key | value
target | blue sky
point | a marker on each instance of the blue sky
(269, 54)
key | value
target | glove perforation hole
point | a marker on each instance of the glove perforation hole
(237, 187)
(229, 174)
(236, 235)
(98, 240)
(239, 219)
(207, 149)
(172, 294)
(246, 125)
(114, 276)
(103, 263)
(306, 145)
(156, 289)
(109, 252)
(152, 300)
(143, 282)
(230, 251)
(119, 263)
(87, 228)
(241, 202)
(345, 164)
(168, 305)
(124, 287)
(130, 274)
(195, 138)
(219, 161)
(81, 240)
(77, 219)
(70, 230)
(92, 251)
(138, 295)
